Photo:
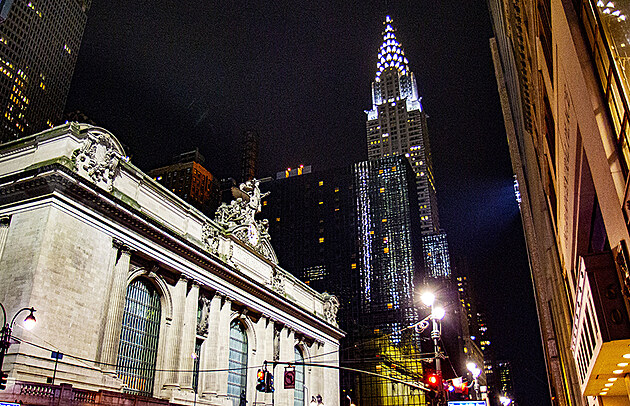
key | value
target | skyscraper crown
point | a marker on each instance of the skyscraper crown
(391, 53)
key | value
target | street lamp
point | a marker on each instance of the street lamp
(5, 336)
(505, 401)
(475, 371)
(437, 314)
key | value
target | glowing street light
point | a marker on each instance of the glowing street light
(505, 401)
(475, 371)
(5, 336)
(427, 298)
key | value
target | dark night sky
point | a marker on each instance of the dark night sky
(168, 76)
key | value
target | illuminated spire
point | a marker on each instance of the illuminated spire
(391, 53)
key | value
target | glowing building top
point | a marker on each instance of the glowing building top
(391, 53)
(396, 123)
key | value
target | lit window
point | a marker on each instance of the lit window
(321, 240)
(353, 266)
(321, 183)
(386, 250)
(336, 189)
(321, 202)
(264, 202)
(277, 218)
(139, 337)
(384, 221)
(390, 306)
(237, 373)
(382, 190)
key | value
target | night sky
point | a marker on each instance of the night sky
(166, 77)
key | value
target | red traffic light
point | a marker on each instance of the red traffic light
(432, 380)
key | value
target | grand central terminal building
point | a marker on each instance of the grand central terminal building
(140, 298)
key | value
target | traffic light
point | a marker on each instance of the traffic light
(3, 380)
(432, 380)
(269, 382)
(261, 386)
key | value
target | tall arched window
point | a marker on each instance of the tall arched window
(137, 351)
(298, 394)
(237, 376)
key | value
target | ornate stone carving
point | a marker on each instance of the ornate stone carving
(202, 322)
(277, 281)
(238, 219)
(97, 159)
(331, 307)
(210, 237)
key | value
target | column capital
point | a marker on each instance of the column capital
(121, 246)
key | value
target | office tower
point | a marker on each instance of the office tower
(505, 384)
(397, 123)
(351, 227)
(561, 70)
(191, 181)
(249, 155)
(436, 257)
(313, 228)
(354, 232)
(39, 44)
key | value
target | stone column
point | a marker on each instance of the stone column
(223, 350)
(174, 336)
(264, 352)
(189, 334)
(115, 307)
(211, 349)
(287, 354)
(4, 232)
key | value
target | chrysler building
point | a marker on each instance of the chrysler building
(397, 125)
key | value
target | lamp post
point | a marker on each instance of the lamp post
(437, 314)
(475, 371)
(505, 401)
(5, 336)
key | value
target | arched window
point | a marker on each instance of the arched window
(298, 394)
(139, 338)
(237, 376)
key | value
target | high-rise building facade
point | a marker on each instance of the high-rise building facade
(190, 180)
(355, 232)
(39, 44)
(436, 257)
(397, 124)
(561, 70)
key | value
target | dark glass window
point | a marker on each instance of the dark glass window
(298, 394)
(137, 351)
(237, 376)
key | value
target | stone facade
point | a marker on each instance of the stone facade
(80, 223)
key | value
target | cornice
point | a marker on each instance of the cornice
(44, 181)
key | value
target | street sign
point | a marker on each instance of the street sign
(9, 404)
(289, 378)
(467, 403)
(55, 355)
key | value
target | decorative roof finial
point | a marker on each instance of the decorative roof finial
(391, 53)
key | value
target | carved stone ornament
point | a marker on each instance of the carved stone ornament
(210, 237)
(98, 158)
(331, 307)
(277, 281)
(238, 219)
(202, 322)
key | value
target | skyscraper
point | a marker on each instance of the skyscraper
(397, 123)
(39, 44)
(354, 232)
